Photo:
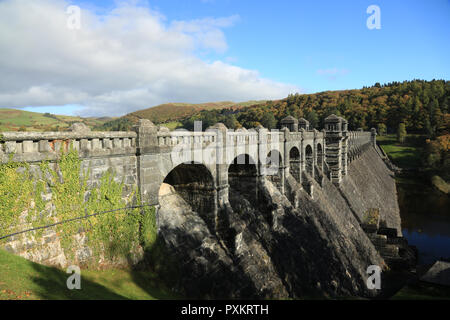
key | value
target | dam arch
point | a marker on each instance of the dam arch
(194, 183)
(294, 163)
(242, 179)
(320, 158)
(274, 169)
(309, 159)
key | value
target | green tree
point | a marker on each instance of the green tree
(268, 120)
(381, 129)
(313, 119)
(401, 133)
(231, 122)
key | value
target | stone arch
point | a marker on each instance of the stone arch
(294, 163)
(194, 183)
(309, 159)
(242, 179)
(319, 156)
(274, 168)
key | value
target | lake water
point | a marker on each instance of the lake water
(425, 217)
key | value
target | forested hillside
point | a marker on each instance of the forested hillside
(421, 105)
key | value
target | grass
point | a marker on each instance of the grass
(404, 155)
(172, 125)
(14, 119)
(423, 291)
(21, 279)
(440, 184)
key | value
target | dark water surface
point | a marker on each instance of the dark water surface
(425, 214)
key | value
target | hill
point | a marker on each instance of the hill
(178, 111)
(172, 114)
(421, 105)
(19, 120)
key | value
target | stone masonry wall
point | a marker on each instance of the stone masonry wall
(370, 184)
(99, 152)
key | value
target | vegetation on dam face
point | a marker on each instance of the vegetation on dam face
(33, 197)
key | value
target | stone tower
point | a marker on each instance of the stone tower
(289, 122)
(334, 156)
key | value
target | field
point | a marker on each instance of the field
(15, 120)
(21, 279)
(172, 125)
(405, 155)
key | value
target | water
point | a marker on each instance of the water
(425, 215)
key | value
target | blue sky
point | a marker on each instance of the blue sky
(290, 41)
(310, 45)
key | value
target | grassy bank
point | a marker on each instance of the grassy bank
(21, 279)
(423, 291)
(405, 155)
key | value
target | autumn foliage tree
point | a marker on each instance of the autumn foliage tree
(421, 105)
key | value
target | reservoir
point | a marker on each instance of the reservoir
(425, 218)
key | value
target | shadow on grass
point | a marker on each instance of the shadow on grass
(51, 285)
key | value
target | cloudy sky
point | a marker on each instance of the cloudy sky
(129, 55)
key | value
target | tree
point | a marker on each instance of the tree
(401, 133)
(268, 120)
(313, 119)
(381, 129)
(231, 122)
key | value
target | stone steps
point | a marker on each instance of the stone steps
(395, 250)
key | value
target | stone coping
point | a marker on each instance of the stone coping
(35, 136)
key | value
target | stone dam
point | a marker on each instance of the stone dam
(248, 213)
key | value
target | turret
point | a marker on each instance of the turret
(289, 122)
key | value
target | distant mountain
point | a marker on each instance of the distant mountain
(19, 120)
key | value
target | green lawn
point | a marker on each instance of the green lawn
(404, 155)
(172, 125)
(23, 279)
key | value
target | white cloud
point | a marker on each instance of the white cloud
(127, 59)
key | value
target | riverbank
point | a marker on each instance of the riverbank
(424, 214)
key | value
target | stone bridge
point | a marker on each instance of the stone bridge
(203, 166)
